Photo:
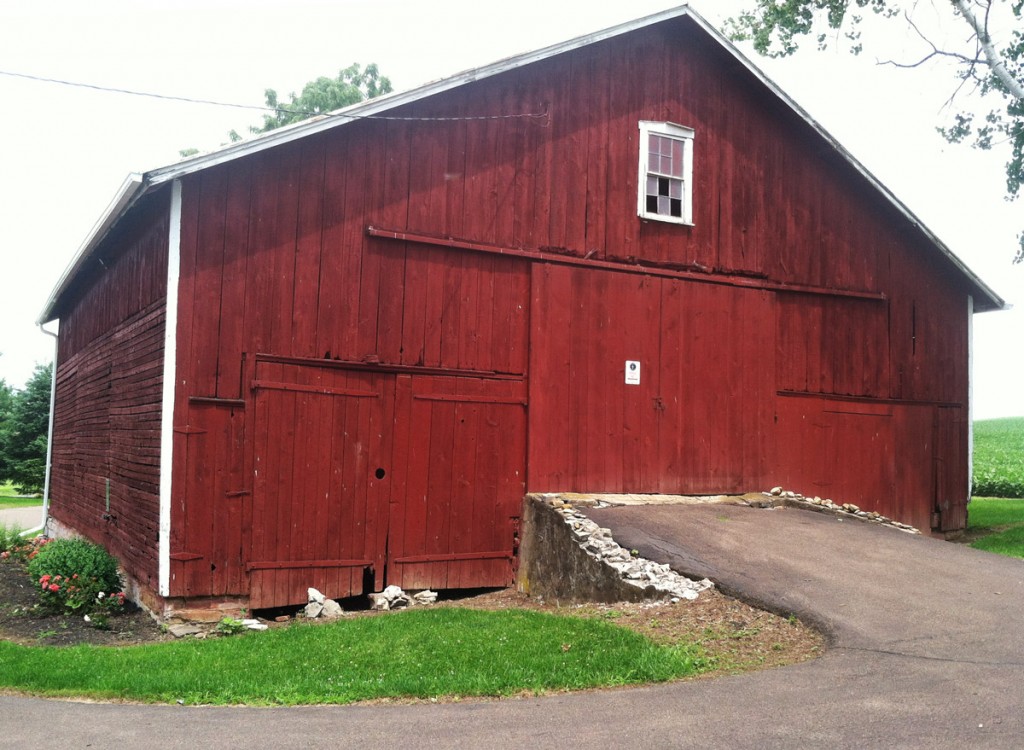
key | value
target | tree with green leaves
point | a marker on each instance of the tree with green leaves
(324, 95)
(352, 85)
(6, 407)
(995, 69)
(24, 432)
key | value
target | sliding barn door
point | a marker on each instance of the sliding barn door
(369, 479)
(320, 490)
(459, 480)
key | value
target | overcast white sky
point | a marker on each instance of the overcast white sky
(65, 151)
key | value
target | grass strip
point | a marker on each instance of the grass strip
(1009, 542)
(419, 654)
(1002, 520)
(20, 502)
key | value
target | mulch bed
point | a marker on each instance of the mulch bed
(738, 636)
(24, 621)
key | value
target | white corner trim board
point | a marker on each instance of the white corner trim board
(167, 401)
(970, 396)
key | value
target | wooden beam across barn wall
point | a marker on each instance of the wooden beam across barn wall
(748, 282)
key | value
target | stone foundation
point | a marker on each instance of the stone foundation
(566, 557)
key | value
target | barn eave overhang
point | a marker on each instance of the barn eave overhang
(136, 185)
(130, 191)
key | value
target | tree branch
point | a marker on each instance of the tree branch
(995, 60)
(936, 52)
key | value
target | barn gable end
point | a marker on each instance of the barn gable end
(388, 330)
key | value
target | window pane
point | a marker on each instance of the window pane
(663, 186)
(677, 208)
(652, 143)
(675, 189)
(677, 158)
(652, 204)
(663, 205)
(652, 185)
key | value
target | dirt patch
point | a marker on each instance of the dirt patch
(24, 621)
(737, 636)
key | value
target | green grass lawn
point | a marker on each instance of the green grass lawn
(996, 520)
(9, 499)
(999, 457)
(430, 653)
(19, 502)
(1001, 521)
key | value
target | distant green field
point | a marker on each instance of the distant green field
(999, 457)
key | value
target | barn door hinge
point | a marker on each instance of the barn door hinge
(189, 430)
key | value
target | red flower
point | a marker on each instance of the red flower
(53, 586)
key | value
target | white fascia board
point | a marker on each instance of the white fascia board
(131, 189)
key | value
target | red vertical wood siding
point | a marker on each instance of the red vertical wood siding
(319, 509)
(458, 488)
(701, 417)
(746, 381)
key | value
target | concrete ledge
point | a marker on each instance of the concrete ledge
(553, 566)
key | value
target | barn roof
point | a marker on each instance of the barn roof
(137, 185)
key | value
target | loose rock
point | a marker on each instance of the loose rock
(846, 509)
(331, 610)
(180, 631)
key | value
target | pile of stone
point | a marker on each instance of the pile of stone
(393, 597)
(816, 503)
(633, 569)
(319, 607)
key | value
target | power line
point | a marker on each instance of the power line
(258, 107)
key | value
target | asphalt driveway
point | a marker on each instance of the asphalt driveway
(927, 651)
(22, 518)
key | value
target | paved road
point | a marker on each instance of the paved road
(23, 518)
(927, 652)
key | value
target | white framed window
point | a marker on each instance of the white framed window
(666, 172)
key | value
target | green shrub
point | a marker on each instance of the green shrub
(75, 574)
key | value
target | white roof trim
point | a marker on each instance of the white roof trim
(382, 104)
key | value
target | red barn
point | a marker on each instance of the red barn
(339, 354)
